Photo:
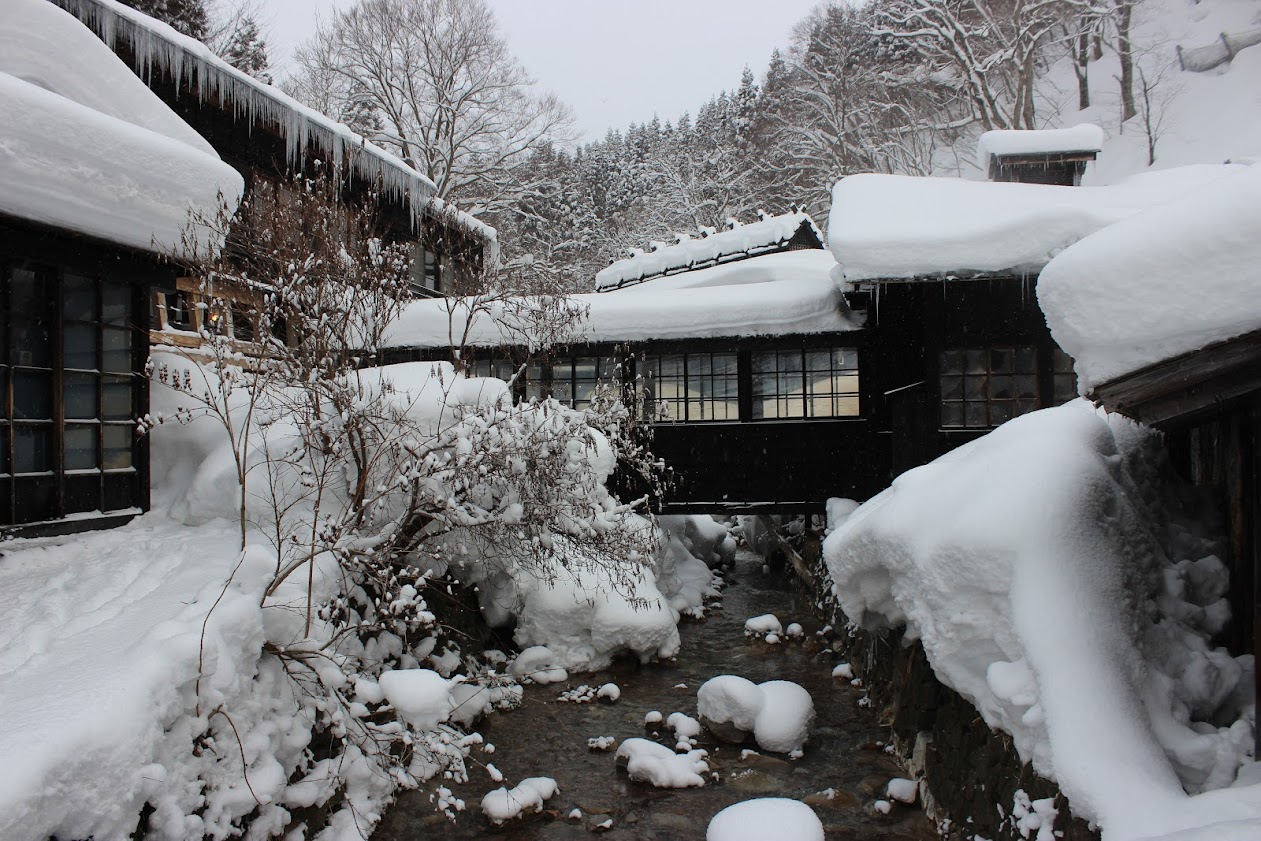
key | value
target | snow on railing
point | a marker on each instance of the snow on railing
(155, 45)
(1201, 59)
(710, 248)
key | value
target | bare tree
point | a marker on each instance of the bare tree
(452, 99)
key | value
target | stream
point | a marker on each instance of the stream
(843, 772)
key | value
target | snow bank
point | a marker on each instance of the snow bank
(1118, 300)
(84, 145)
(654, 763)
(1085, 137)
(1058, 591)
(898, 226)
(763, 818)
(774, 294)
(711, 248)
(421, 696)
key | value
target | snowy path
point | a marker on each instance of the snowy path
(91, 624)
(546, 737)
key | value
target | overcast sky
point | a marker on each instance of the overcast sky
(614, 61)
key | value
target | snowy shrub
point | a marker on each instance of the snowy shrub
(363, 498)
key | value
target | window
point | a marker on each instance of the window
(1065, 378)
(805, 383)
(500, 369)
(984, 387)
(690, 387)
(179, 309)
(427, 270)
(574, 381)
(243, 327)
(68, 395)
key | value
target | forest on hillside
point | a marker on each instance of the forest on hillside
(878, 87)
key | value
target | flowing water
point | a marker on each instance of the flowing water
(843, 771)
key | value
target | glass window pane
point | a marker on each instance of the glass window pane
(1063, 362)
(818, 360)
(79, 296)
(116, 303)
(1023, 407)
(34, 499)
(584, 393)
(119, 491)
(117, 440)
(117, 398)
(32, 448)
(1001, 360)
(31, 320)
(952, 414)
(32, 395)
(4, 460)
(975, 361)
(83, 493)
(1001, 388)
(1026, 360)
(974, 414)
(117, 350)
(975, 388)
(80, 395)
(563, 392)
(953, 361)
(1027, 386)
(726, 364)
(80, 446)
(79, 346)
(951, 388)
(1001, 411)
(585, 368)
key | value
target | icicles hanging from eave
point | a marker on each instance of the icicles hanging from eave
(211, 79)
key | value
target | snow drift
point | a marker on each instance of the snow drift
(1056, 590)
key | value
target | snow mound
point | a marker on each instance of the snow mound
(1059, 591)
(421, 696)
(538, 664)
(767, 817)
(729, 699)
(504, 804)
(1114, 301)
(783, 722)
(897, 226)
(758, 626)
(902, 790)
(85, 145)
(654, 763)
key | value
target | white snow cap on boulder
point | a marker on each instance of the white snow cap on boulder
(1118, 300)
(85, 145)
(763, 818)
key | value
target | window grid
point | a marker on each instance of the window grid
(805, 383)
(1064, 378)
(985, 387)
(575, 381)
(692, 387)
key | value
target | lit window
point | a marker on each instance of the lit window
(689, 387)
(984, 387)
(805, 383)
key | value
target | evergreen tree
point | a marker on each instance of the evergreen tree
(247, 51)
(186, 16)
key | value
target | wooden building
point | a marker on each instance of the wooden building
(1052, 156)
(98, 177)
(267, 136)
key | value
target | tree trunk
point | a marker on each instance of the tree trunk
(1082, 71)
(1125, 10)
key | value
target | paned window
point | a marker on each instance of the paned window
(68, 390)
(1065, 379)
(984, 387)
(427, 271)
(691, 387)
(805, 383)
(501, 369)
(575, 380)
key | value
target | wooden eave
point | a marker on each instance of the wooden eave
(1181, 390)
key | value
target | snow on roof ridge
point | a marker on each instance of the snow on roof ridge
(769, 233)
(154, 43)
(1084, 137)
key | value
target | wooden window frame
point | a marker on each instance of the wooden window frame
(978, 390)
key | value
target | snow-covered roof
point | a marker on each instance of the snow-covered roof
(709, 249)
(776, 294)
(1165, 282)
(86, 146)
(154, 44)
(887, 227)
(1056, 141)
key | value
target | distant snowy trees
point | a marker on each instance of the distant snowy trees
(187, 16)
